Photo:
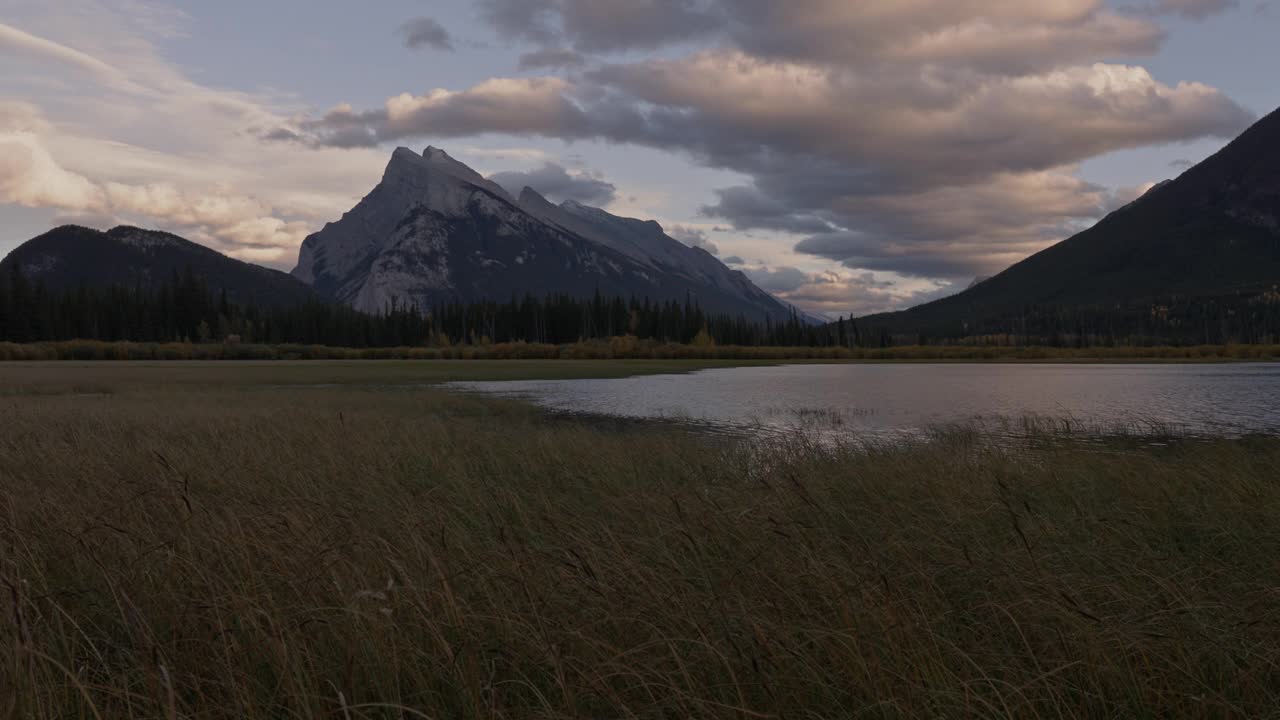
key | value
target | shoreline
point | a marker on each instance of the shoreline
(624, 349)
(411, 546)
(691, 363)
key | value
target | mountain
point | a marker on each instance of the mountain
(645, 242)
(434, 230)
(1214, 232)
(70, 256)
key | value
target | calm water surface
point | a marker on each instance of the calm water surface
(908, 399)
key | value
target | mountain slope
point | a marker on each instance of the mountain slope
(647, 243)
(1214, 231)
(70, 256)
(433, 230)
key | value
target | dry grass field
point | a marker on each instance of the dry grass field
(327, 540)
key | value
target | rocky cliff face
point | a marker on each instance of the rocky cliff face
(434, 230)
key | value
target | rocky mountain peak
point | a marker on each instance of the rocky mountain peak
(432, 152)
(530, 199)
(435, 230)
(433, 167)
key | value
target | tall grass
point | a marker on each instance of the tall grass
(229, 553)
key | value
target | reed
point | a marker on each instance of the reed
(212, 550)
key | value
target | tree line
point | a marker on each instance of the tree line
(1244, 318)
(183, 308)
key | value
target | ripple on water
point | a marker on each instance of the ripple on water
(888, 401)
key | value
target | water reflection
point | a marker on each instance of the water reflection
(893, 401)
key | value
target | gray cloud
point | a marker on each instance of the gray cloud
(856, 297)
(748, 208)
(868, 252)
(962, 230)
(426, 32)
(610, 25)
(521, 106)
(1195, 9)
(937, 139)
(1003, 37)
(759, 116)
(693, 237)
(778, 280)
(529, 20)
(734, 260)
(840, 293)
(603, 25)
(281, 135)
(552, 58)
(556, 184)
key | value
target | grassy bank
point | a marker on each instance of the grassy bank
(625, 349)
(197, 377)
(225, 548)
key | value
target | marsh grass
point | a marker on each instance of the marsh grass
(210, 552)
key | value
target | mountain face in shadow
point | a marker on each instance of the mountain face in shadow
(1214, 232)
(434, 230)
(70, 256)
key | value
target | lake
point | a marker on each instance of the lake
(906, 399)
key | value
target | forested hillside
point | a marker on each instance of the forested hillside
(1197, 259)
(184, 308)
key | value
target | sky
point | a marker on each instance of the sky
(851, 157)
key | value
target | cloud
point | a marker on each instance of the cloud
(161, 150)
(943, 137)
(517, 154)
(777, 280)
(1004, 36)
(552, 59)
(958, 231)
(1007, 38)
(835, 293)
(16, 116)
(1195, 9)
(602, 25)
(734, 260)
(915, 140)
(693, 237)
(1123, 196)
(749, 208)
(29, 176)
(426, 32)
(17, 41)
(528, 20)
(281, 134)
(244, 226)
(908, 167)
(557, 184)
(612, 25)
(538, 106)
(747, 113)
